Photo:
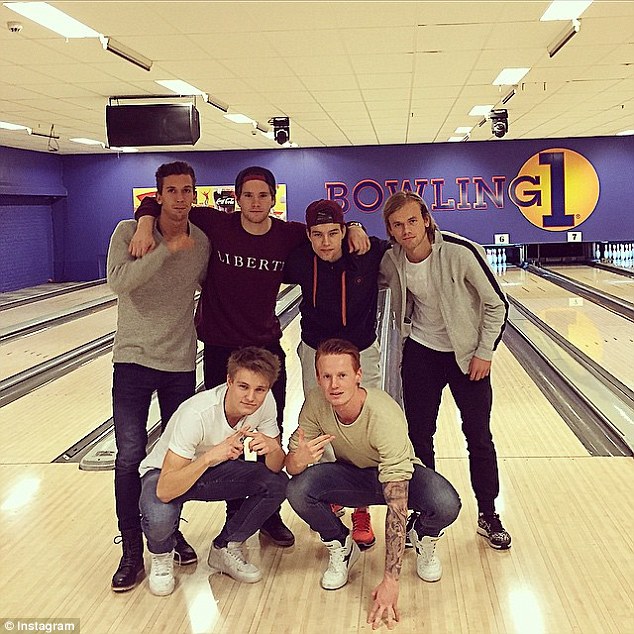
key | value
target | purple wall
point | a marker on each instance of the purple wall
(30, 183)
(468, 185)
(26, 246)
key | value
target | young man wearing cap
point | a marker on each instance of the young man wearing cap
(339, 300)
(196, 459)
(374, 464)
(154, 346)
(451, 311)
(237, 303)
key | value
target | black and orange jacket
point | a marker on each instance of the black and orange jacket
(338, 298)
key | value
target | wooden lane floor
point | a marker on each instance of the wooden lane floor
(52, 305)
(562, 575)
(569, 570)
(41, 425)
(604, 281)
(65, 410)
(25, 352)
(603, 336)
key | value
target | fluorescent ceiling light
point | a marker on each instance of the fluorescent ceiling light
(217, 103)
(565, 10)
(509, 95)
(479, 111)
(84, 141)
(125, 52)
(625, 133)
(563, 38)
(125, 150)
(464, 129)
(179, 86)
(52, 18)
(13, 126)
(455, 139)
(510, 76)
(239, 118)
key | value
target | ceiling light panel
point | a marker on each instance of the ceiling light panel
(238, 118)
(179, 87)
(565, 10)
(85, 141)
(51, 18)
(510, 76)
(480, 111)
(4, 125)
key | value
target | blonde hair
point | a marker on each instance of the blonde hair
(400, 199)
(338, 347)
(256, 360)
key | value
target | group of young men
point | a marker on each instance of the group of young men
(354, 447)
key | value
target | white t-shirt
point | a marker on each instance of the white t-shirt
(200, 423)
(428, 325)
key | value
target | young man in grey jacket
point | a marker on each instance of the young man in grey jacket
(451, 312)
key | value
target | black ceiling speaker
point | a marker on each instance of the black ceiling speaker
(152, 124)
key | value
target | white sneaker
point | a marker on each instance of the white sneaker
(233, 562)
(428, 565)
(162, 574)
(342, 558)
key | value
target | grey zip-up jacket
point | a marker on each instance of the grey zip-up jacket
(472, 303)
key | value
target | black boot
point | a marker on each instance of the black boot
(184, 554)
(131, 564)
(275, 529)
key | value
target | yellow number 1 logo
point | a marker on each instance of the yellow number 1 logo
(556, 189)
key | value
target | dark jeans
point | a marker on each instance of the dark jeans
(230, 480)
(425, 373)
(313, 491)
(132, 389)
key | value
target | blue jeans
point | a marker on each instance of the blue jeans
(313, 491)
(132, 389)
(231, 480)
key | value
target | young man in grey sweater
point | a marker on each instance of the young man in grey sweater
(155, 346)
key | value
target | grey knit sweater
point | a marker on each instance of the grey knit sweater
(155, 322)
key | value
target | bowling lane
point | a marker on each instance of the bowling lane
(47, 307)
(523, 421)
(41, 425)
(604, 281)
(603, 336)
(24, 353)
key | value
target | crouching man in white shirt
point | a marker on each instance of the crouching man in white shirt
(196, 459)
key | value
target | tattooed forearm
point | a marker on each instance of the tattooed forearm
(395, 494)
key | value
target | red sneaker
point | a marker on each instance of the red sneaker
(362, 532)
(338, 510)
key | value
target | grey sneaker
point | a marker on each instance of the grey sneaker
(231, 560)
(342, 558)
